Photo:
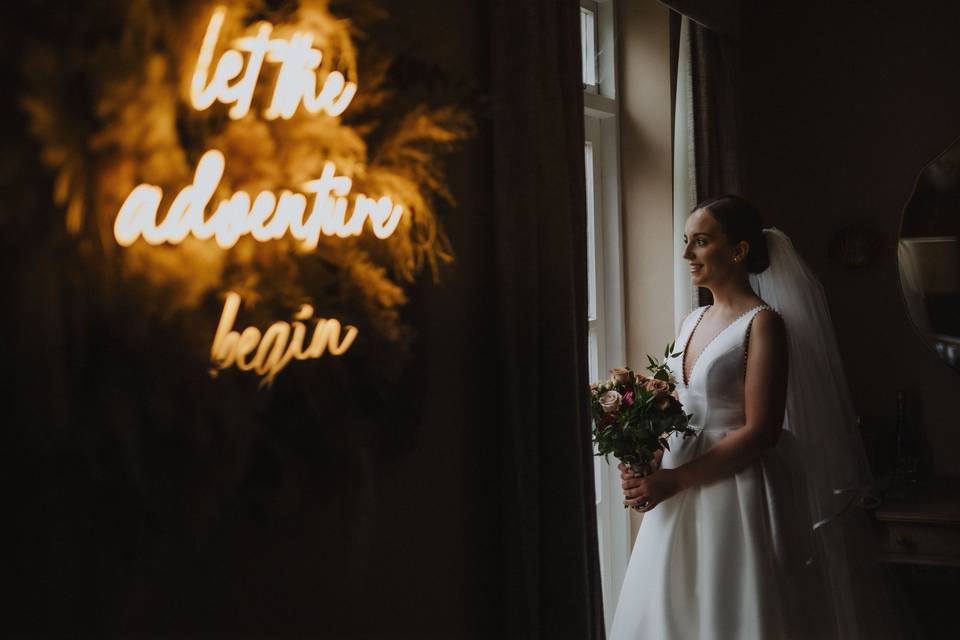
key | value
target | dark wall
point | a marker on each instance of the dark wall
(843, 103)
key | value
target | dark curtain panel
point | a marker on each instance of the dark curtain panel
(713, 68)
(548, 573)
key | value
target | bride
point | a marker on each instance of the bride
(747, 531)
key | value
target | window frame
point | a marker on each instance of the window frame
(602, 132)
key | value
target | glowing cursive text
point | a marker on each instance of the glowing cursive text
(266, 217)
(296, 79)
(268, 353)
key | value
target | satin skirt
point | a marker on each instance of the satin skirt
(722, 561)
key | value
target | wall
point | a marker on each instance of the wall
(842, 105)
(646, 141)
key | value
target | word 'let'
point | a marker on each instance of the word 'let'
(268, 353)
(266, 217)
(296, 79)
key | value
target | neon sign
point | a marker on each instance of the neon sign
(266, 217)
(231, 79)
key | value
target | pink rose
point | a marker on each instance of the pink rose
(620, 375)
(656, 386)
(628, 398)
(610, 401)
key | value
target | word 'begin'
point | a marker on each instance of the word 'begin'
(269, 352)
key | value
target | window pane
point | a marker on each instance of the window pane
(593, 360)
(598, 477)
(591, 239)
(593, 355)
(588, 47)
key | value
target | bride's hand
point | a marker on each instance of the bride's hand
(645, 493)
(626, 473)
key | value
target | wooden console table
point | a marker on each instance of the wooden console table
(920, 524)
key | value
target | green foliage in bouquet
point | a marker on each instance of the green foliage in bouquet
(633, 414)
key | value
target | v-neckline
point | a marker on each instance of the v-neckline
(693, 367)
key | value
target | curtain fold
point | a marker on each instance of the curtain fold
(550, 563)
(720, 16)
(684, 172)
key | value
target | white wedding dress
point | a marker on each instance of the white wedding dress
(726, 560)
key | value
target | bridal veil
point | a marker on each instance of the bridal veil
(823, 442)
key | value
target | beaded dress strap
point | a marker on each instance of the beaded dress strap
(746, 339)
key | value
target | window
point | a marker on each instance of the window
(588, 49)
(606, 347)
(593, 281)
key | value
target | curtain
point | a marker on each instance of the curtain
(548, 560)
(712, 71)
(711, 34)
(684, 172)
(714, 29)
(713, 68)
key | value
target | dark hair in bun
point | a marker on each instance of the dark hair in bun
(739, 220)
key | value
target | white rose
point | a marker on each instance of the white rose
(610, 401)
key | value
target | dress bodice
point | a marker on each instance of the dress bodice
(714, 391)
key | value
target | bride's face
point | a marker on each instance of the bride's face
(708, 251)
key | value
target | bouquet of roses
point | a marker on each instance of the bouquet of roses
(633, 414)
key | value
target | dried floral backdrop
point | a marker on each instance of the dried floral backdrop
(131, 121)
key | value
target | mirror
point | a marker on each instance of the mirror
(928, 255)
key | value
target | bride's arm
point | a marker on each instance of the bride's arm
(765, 389)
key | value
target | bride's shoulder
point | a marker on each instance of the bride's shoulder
(767, 324)
(766, 311)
